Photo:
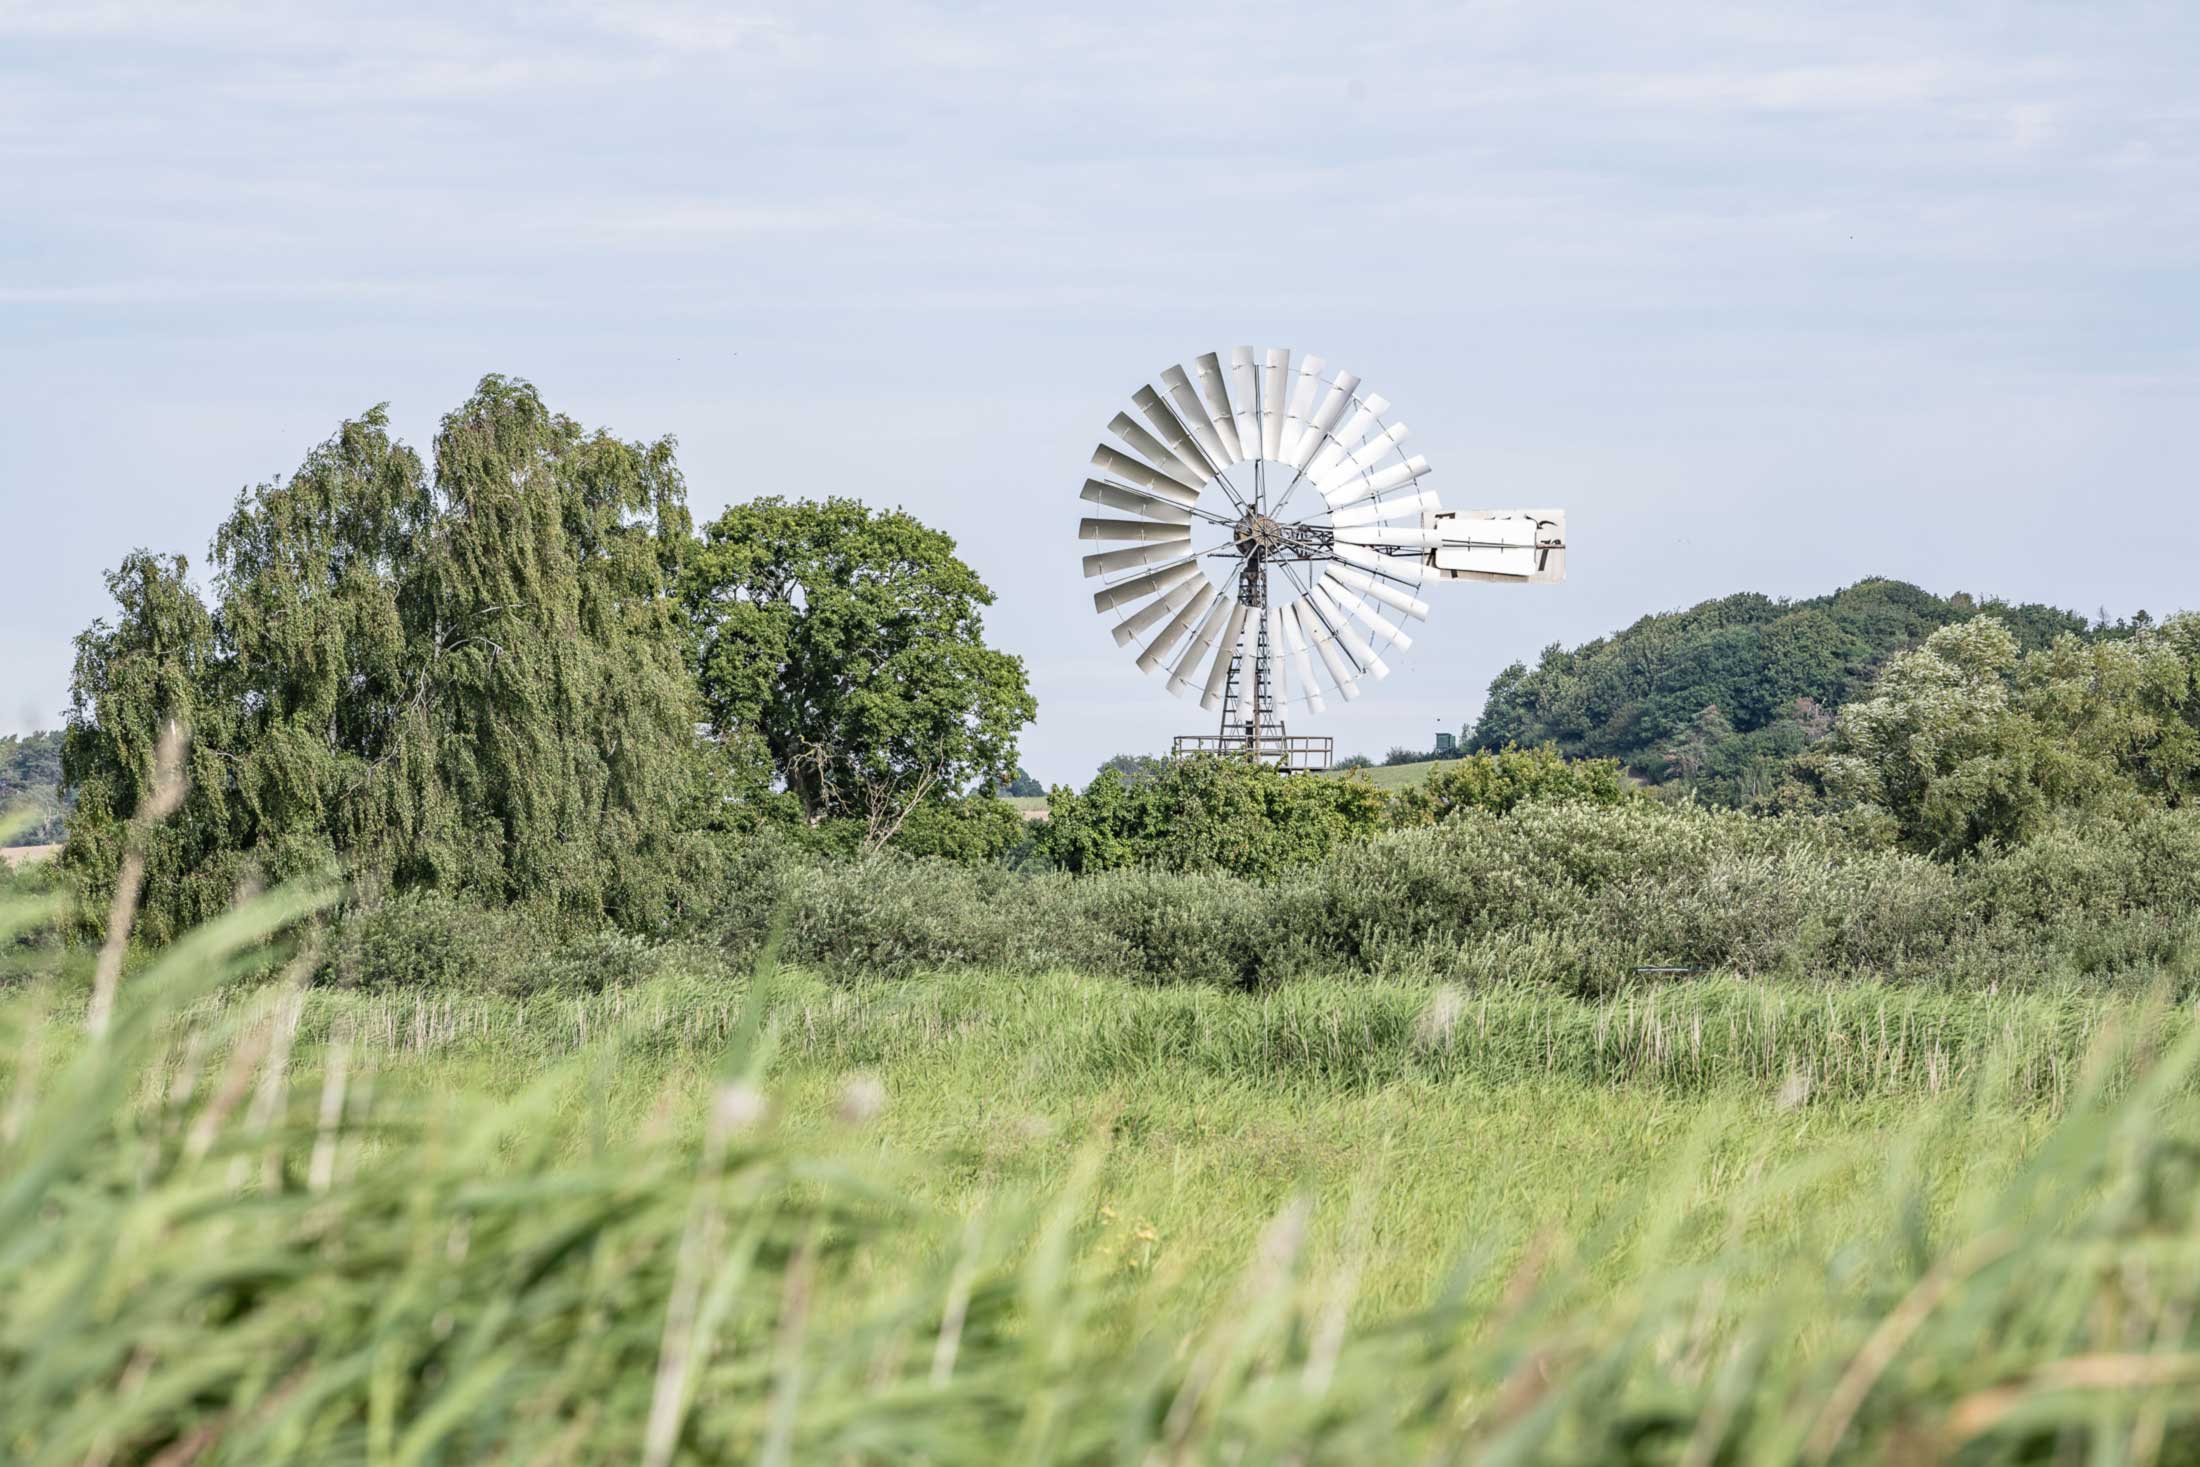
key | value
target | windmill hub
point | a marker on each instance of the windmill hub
(1331, 508)
(1255, 531)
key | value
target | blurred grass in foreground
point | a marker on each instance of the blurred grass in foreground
(1007, 1221)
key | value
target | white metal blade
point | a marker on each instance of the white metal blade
(1225, 648)
(1171, 599)
(1153, 450)
(1193, 415)
(1350, 640)
(1245, 399)
(1189, 614)
(1378, 628)
(1274, 383)
(1107, 562)
(1123, 593)
(1378, 510)
(1388, 595)
(1145, 531)
(1325, 647)
(1325, 418)
(1279, 659)
(1376, 561)
(1182, 446)
(1144, 475)
(1152, 506)
(1305, 382)
(1187, 661)
(1382, 481)
(1361, 461)
(1220, 417)
(1295, 631)
(1342, 442)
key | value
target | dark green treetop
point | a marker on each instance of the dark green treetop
(849, 645)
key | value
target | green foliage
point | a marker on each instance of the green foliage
(30, 788)
(1569, 894)
(475, 683)
(849, 643)
(1136, 768)
(1206, 813)
(1498, 782)
(1022, 787)
(670, 1224)
(1717, 698)
(1353, 761)
(1968, 740)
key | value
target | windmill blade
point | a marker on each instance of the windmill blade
(1324, 420)
(1307, 382)
(1360, 461)
(1325, 649)
(1274, 370)
(1341, 442)
(1172, 599)
(1137, 588)
(1143, 530)
(1189, 614)
(1153, 450)
(1245, 399)
(1193, 416)
(1144, 475)
(1220, 416)
(1376, 511)
(1181, 444)
(1226, 649)
(1390, 596)
(1353, 643)
(1115, 496)
(1382, 481)
(1393, 566)
(1289, 617)
(1278, 661)
(1107, 562)
(1389, 535)
(1187, 661)
(1378, 629)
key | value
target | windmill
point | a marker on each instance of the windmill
(1274, 539)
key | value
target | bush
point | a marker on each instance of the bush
(1498, 782)
(1207, 814)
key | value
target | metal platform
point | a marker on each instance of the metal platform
(1293, 755)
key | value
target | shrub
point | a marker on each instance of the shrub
(1207, 813)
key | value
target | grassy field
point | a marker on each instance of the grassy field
(999, 1218)
(1395, 776)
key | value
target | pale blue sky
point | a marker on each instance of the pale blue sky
(1770, 297)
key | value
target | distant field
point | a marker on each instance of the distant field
(25, 855)
(1396, 776)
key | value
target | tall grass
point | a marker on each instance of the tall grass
(234, 1232)
(1851, 1041)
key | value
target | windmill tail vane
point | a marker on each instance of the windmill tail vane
(1274, 541)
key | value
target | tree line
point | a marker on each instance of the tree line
(517, 670)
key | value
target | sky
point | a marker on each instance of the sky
(1769, 297)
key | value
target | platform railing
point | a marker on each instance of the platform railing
(1294, 754)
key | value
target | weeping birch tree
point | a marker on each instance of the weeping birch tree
(473, 678)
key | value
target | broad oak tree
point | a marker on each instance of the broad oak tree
(845, 647)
